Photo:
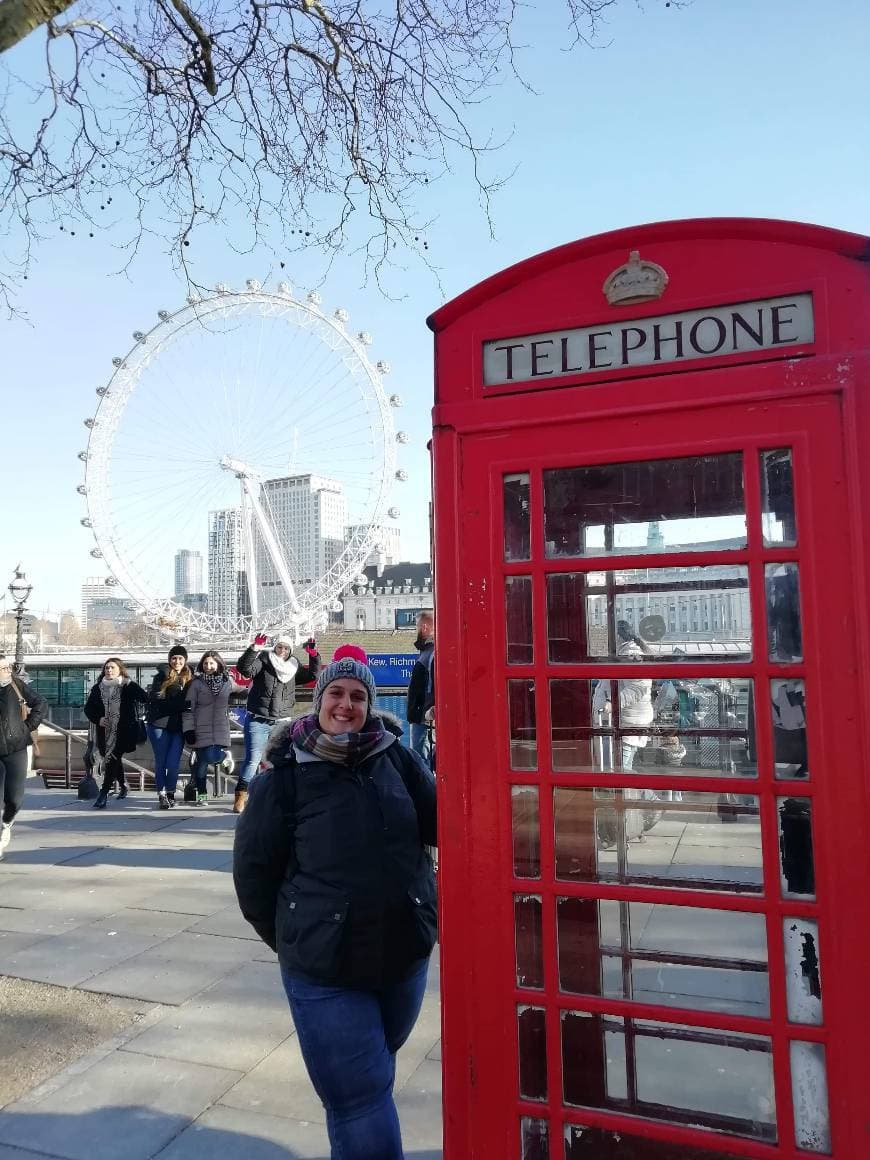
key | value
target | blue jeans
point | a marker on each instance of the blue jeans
(167, 749)
(256, 736)
(349, 1041)
(421, 741)
(204, 758)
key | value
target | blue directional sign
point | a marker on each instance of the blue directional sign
(392, 669)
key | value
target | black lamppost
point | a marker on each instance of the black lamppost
(20, 590)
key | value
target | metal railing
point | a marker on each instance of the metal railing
(69, 737)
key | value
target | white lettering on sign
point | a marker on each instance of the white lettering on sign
(747, 327)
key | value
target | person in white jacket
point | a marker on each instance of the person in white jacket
(635, 697)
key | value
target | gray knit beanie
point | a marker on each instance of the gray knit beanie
(346, 667)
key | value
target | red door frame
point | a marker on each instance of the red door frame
(478, 438)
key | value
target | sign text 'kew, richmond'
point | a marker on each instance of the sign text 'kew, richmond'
(766, 324)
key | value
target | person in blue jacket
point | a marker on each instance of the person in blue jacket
(331, 870)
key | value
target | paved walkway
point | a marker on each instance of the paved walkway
(137, 903)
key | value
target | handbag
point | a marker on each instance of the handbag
(25, 713)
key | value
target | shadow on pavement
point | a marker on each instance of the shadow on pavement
(140, 1133)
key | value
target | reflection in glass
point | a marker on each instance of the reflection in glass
(693, 726)
(705, 841)
(532, 1037)
(683, 1075)
(528, 933)
(783, 612)
(707, 960)
(777, 499)
(523, 728)
(797, 865)
(583, 1143)
(661, 614)
(803, 976)
(535, 1139)
(809, 1092)
(788, 705)
(525, 822)
(663, 505)
(517, 538)
(518, 615)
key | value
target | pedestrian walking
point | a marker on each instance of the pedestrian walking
(166, 700)
(21, 710)
(421, 687)
(331, 871)
(275, 673)
(113, 706)
(205, 719)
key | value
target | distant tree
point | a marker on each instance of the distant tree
(69, 632)
(102, 634)
(303, 117)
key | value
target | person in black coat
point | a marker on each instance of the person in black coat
(271, 698)
(113, 707)
(331, 870)
(166, 699)
(16, 733)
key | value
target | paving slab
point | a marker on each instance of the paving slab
(419, 1106)
(228, 922)
(223, 1131)
(278, 1086)
(141, 855)
(234, 1024)
(126, 1105)
(177, 969)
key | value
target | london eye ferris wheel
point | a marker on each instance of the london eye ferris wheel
(250, 429)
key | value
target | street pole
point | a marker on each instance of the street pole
(19, 590)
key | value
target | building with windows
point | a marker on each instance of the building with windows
(97, 589)
(309, 516)
(386, 551)
(227, 582)
(391, 599)
(188, 573)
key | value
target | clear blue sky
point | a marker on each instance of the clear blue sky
(726, 107)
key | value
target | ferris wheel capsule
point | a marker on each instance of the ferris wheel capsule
(90, 423)
(139, 336)
(383, 367)
(402, 475)
(96, 553)
(102, 392)
(81, 489)
(396, 401)
(393, 513)
(365, 338)
(253, 285)
(284, 288)
(163, 315)
(313, 297)
(341, 315)
(403, 437)
(117, 362)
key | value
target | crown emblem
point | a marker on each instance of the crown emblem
(636, 281)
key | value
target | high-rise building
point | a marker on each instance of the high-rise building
(227, 583)
(308, 514)
(188, 573)
(97, 589)
(385, 552)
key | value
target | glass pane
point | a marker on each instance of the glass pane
(783, 612)
(517, 538)
(707, 960)
(528, 931)
(788, 704)
(532, 1037)
(523, 728)
(526, 831)
(777, 499)
(653, 837)
(659, 614)
(534, 1139)
(803, 976)
(663, 505)
(797, 865)
(666, 1071)
(518, 612)
(696, 727)
(583, 1143)
(809, 1093)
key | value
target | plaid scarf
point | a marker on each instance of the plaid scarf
(214, 682)
(341, 748)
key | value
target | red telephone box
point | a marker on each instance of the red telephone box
(650, 481)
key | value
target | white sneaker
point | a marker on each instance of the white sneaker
(5, 835)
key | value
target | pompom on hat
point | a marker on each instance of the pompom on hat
(346, 666)
(351, 650)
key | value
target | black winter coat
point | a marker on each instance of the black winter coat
(165, 709)
(14, 731)
(421, 687)
(268, 697)
(132, 695)
(330, 869)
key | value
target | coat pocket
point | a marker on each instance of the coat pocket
(313, 934)
(423, 908)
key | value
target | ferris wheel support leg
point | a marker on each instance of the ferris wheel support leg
(271, 542)
(250, 553)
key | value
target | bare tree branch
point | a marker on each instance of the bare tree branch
(18, 18)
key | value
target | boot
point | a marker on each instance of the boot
(201, 798)
(102, 800)
(123, 791)
(170, 800)
(240, 800)
(163, 802)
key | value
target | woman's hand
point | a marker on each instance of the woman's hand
(260, 639)
(310, 646)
